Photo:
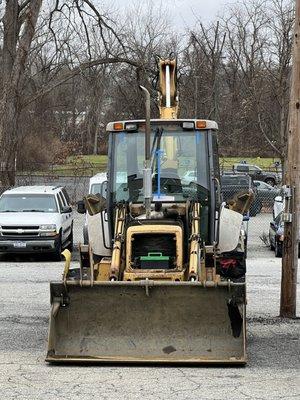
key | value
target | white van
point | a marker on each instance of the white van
(92, 229)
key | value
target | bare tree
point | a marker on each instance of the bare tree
(19, 24)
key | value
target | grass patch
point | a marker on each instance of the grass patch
(86, 165)
(264, 163)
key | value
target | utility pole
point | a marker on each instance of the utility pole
(292, 191)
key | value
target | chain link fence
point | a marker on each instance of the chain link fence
(260, 215)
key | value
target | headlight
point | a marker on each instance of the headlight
(47, 233)
(51, 227)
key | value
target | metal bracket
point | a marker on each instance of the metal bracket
(147, 283)
(59, 294)
(287, 217)
(287, 191)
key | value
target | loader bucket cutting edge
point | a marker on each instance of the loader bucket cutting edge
(163, 324)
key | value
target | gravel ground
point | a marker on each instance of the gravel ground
(273, 371)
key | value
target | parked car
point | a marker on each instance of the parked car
(266, 193)
(256, 173)
(276, 236)
(235, 183)
(189, 176)
(36, 219)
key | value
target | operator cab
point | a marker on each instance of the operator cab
(184, 163)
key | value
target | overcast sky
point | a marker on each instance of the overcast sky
(184, 12)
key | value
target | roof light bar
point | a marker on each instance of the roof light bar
(118, 126)
(200, 124)
(188, 125)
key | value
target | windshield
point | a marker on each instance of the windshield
(179, 164)
(28, 203)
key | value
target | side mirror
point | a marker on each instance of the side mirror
(81, 207)
(66, 210)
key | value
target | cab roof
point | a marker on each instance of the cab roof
(33, 190)
(209, 124)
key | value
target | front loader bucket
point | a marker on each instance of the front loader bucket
(156, 322)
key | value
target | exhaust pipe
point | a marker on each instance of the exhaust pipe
(147, 172)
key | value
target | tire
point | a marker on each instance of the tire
(71, 240)
(271, 245)
(278, 249)
(246, 247)
(270, 181)
(96, 258)
(58, 249)
(85, 235)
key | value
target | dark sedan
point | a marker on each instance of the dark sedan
(266, 193)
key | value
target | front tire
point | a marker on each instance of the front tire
(278, 249)
(271, 245)
(71, 241)
(58, 249)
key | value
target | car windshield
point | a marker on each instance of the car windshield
(179, 164)
(28, 203)
(234, 180)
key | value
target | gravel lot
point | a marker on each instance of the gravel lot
(273, 371)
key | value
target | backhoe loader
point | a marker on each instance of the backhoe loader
(170, 285)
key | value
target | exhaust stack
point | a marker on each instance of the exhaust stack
(147, 172)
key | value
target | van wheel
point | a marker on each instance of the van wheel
(58, 249)
(85, 236)
(96, 258)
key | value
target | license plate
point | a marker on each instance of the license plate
(20, 245)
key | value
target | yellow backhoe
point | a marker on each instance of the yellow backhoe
(170, 286)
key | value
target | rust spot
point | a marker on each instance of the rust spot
(169, 349)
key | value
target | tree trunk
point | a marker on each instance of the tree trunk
(14, 57)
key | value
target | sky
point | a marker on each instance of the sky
(184, 12)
